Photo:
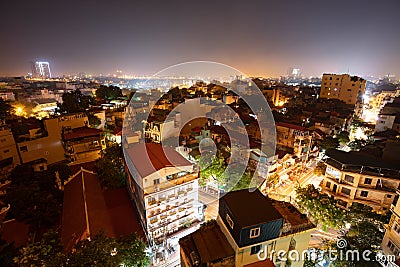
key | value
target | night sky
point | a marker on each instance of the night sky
(262, 38)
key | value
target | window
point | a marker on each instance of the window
(364, 193)
(156, 181)
(349, 178)
(255, 232)
(255, 249)
(396, 228)
(389, 196)
(23, 148)
(41, 167)
(346, 191)
(368, 181)
(328, 184)
(6, 151)
(229, 221)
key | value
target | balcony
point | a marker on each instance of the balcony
(171, 183)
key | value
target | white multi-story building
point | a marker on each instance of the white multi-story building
(164, 187)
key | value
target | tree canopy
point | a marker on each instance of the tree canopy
(108, 92)
(34, 197)
(110, 166)
(75, 101)
(100, 250)
(329, 143)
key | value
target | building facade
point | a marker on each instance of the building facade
(294, 139)
(343, 87)
(164, 187)
(9, 157)
(354, 177)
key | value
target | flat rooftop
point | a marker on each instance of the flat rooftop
(359, 159)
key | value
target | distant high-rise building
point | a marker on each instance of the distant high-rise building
(41, 69)
(343, 87)
(294, 72)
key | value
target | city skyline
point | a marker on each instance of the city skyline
(260, 39)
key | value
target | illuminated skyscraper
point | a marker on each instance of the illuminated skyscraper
(41, 69)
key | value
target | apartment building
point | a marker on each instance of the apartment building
(391, 240)
(164, 187)
(48, 145)
(8, 151)
(294, 139)
(356, 177)
(343, 87)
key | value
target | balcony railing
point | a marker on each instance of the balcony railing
(174, 182)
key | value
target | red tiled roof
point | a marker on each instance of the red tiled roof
(265, 263)
(150, 157)
(14, 231)
(292, 126)
(90, 166)
(81, 132)
(122, 213)
(84, 210)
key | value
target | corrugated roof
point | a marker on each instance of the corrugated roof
(209, 243)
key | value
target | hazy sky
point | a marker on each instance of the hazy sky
(263, 38)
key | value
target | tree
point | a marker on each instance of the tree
(329, 143)
(131, 250)
(343, 137)
(47, 252)
(320, 207)
(110, 167)
(213, 167)
(75, 101)
(108, 92)
(94, 121)
(34, 197)
(273, 179)
(5, 109)
(100, 250)
(320, 169)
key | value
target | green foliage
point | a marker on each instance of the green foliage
(110, 167)
(108, 92)
(75, 101)
(47, 252)
(320, 207)
(212, 167)
(366, 227)
(273, 179)
(5, 109)
(320, 169)
(94, 121)
(34, 197)
(357, 144)
(329, 143)
(99, 251)
(343, 137)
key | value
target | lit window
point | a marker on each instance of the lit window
(229, 220)
(255, 232)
